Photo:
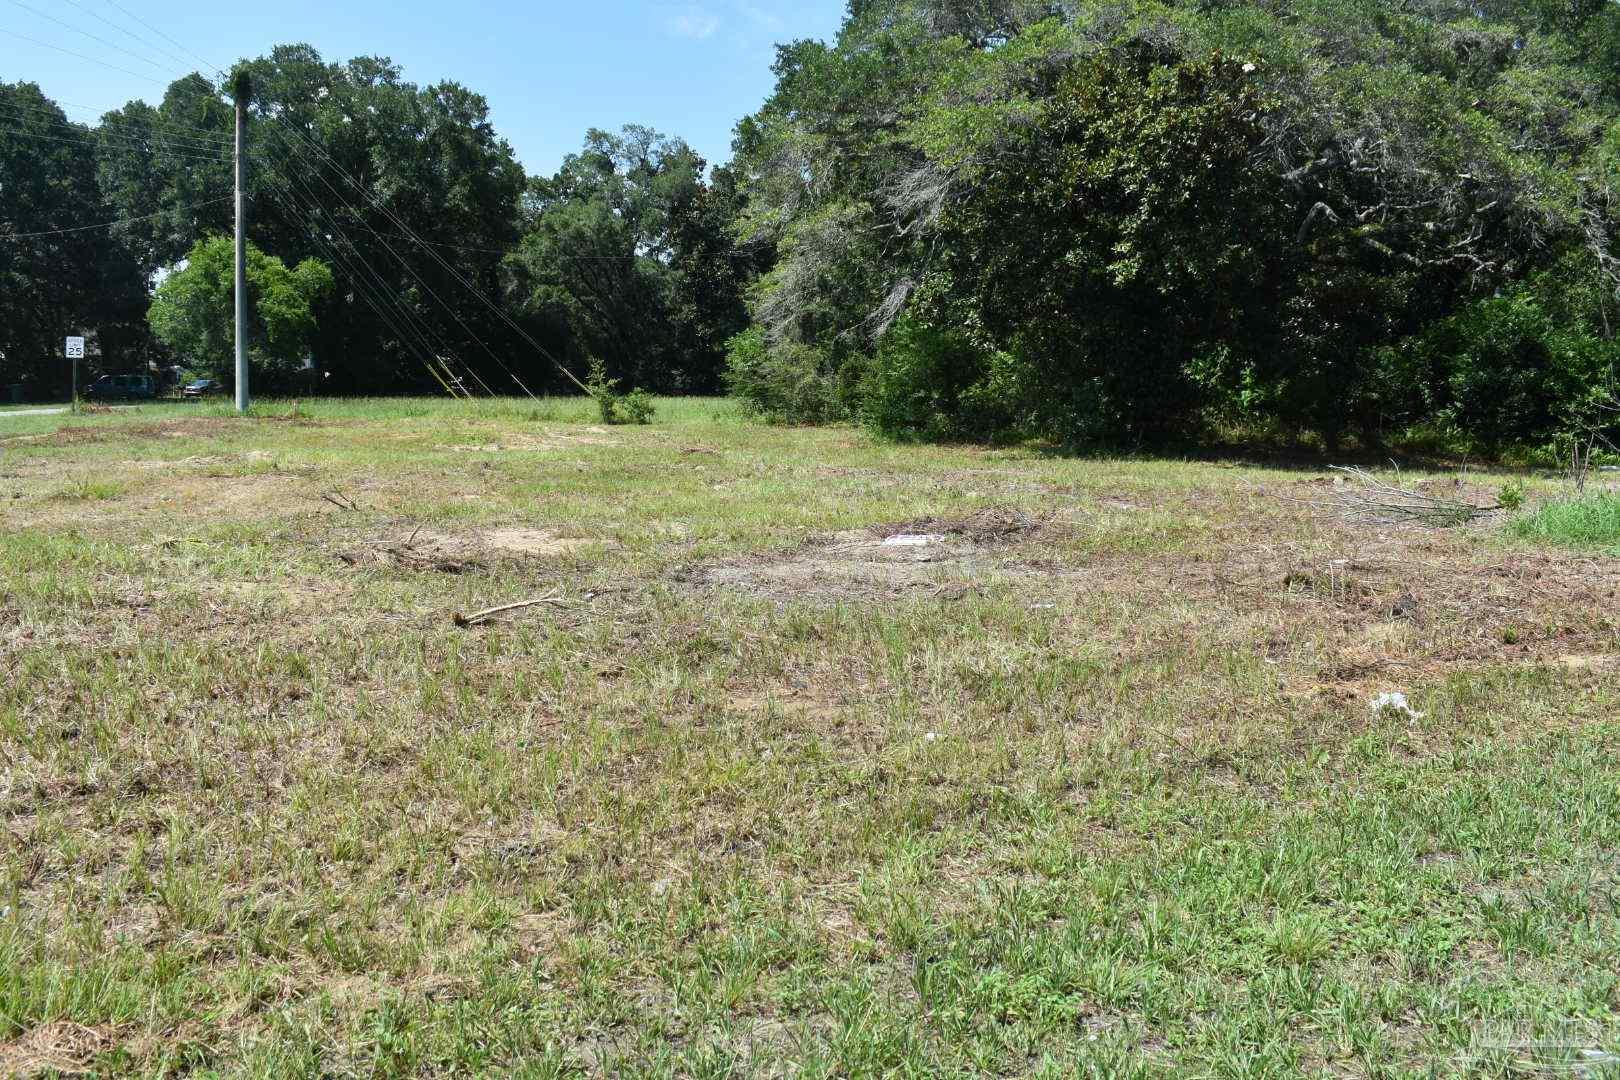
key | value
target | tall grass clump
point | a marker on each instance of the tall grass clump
(1590, 521)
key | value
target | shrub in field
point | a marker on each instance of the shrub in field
(932, 383)
(788, 382)
(636, 407)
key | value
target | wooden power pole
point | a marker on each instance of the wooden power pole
(242, 88)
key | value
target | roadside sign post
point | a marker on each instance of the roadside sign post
(75, 353)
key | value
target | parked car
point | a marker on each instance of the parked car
(122, 387)
(198, 388)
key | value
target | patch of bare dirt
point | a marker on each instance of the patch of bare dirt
(935, 558)
(457, 553)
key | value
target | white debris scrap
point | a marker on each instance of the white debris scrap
(1395, 703)
(914, 540)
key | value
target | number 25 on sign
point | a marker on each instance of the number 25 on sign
(75, 353)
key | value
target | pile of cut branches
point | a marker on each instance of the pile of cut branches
(1366, 499)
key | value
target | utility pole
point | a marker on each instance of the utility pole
(242, 88)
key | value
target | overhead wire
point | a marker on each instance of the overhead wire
(204, 62)
(404, 262)
(125, 30)
(155, 130)
(49, 112)
(287, 129)
(110, 133)
(377, 295)
(365, 291)
(91, 142)
(69, 52)
(407, 326)
(109, 224)
(479, 293)
(316, 202)
(85, 33)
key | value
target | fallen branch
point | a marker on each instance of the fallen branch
(486, 615)
(342, 502)
(1373, 500)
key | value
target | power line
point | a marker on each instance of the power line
(110, 224)
(92, 143)
(376, 297)
(158, 119)
(405, 263)
(354, 261)
(479, 293)
(82, 56)
(85, 33)
(215, 68)
(125, 30)
(157, 126)
(127, 133)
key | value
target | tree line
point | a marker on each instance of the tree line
(1134, 222)
(1093, 222)
(396, 241)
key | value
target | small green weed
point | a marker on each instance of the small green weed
(90, 491)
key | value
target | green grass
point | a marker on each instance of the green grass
(1591, 521)
(1103, 797)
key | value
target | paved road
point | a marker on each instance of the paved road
(32, 412)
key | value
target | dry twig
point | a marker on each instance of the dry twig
(341, 501)
(486, 615)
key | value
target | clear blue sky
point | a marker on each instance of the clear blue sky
(550, 69)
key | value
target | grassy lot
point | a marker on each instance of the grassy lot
(1589, 522)
(1077, 777)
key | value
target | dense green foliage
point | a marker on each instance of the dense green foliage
(1123, 223)
(450, 264)
(193, 311)
(1120, 224)
(66, 279)
(628, 251)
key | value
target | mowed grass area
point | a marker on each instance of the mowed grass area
(1084, 781)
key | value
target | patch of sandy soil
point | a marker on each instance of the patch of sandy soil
(461, 552)
(1343, 608)
(928, 557)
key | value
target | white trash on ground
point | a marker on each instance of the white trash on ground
(914, 540)
(1395, 703)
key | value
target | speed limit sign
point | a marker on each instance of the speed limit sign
(75, 348)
